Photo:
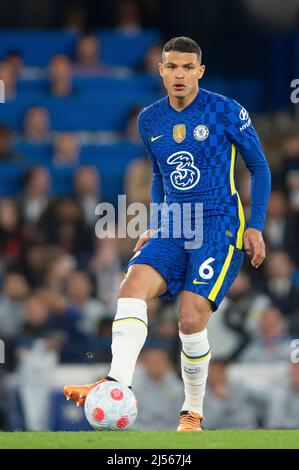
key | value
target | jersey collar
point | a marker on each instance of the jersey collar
(195, 102)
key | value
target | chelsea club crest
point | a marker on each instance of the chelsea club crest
(201, 132)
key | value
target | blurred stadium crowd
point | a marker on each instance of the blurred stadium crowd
(68, 140)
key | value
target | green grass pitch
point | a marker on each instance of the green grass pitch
(259, 439)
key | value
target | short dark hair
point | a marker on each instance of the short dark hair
(183, 44)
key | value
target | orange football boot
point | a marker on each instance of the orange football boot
(190, 421)
(78, 393)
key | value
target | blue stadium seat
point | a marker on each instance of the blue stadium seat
(216, 84)
(249, 93)
(37, 86)
(11, 178)
(35, 153)
(246, 91)
(141, 83)
(37, 47)
(111, 162)
(126, 49)
(62, 180)
(120, 153)
(12, 112)
(279, 73)
(117, 49)
(100, 111)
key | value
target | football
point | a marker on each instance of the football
(111, 406)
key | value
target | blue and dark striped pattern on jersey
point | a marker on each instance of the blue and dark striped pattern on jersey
(204, 164)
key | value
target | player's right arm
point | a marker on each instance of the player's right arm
(157, 188)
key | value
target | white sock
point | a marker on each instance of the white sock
(195, 358)
(129, 332)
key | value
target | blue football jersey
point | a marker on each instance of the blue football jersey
(193, 153)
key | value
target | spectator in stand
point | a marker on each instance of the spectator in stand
(58, 272)
(292, 181)
(229, 404)
(35, 199)
(88, 52)
(290, 152)
(105, 266)
(63, 225)
(35, 323)
(35, 369)
(66, 149)
(138, 180)
(131, 131)
(152, 59)
(272, 342)
(283, 402)
(5, 398)
(60, 76)
(280, 285)
(9, 77)
(15, 291)
(153, 310)
(163, 326)
(282, 225)
(290, 170)
(237, 318)
(277, 227)
(12, 233)
(101, 344)
(128, 17)
(65, 326)
(292, 187)
(37, 355)
(150, 67)
(79, 293)
(15, 59)
(87, 60)
(75, 18)
(87, 192)
(159, 391)
(36, 260)
(37, 124)
(7, 154)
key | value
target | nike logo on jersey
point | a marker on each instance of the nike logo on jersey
(155, 138)
(199, 282)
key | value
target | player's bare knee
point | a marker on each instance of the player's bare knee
(142, 282)
(131, 287)
(192, 322)
(187, 322)
(193, 316)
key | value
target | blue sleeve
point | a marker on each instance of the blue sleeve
(242, 133)
(157, 187)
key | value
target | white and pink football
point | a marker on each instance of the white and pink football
(111, 406)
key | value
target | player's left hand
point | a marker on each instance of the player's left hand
(254, 246)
